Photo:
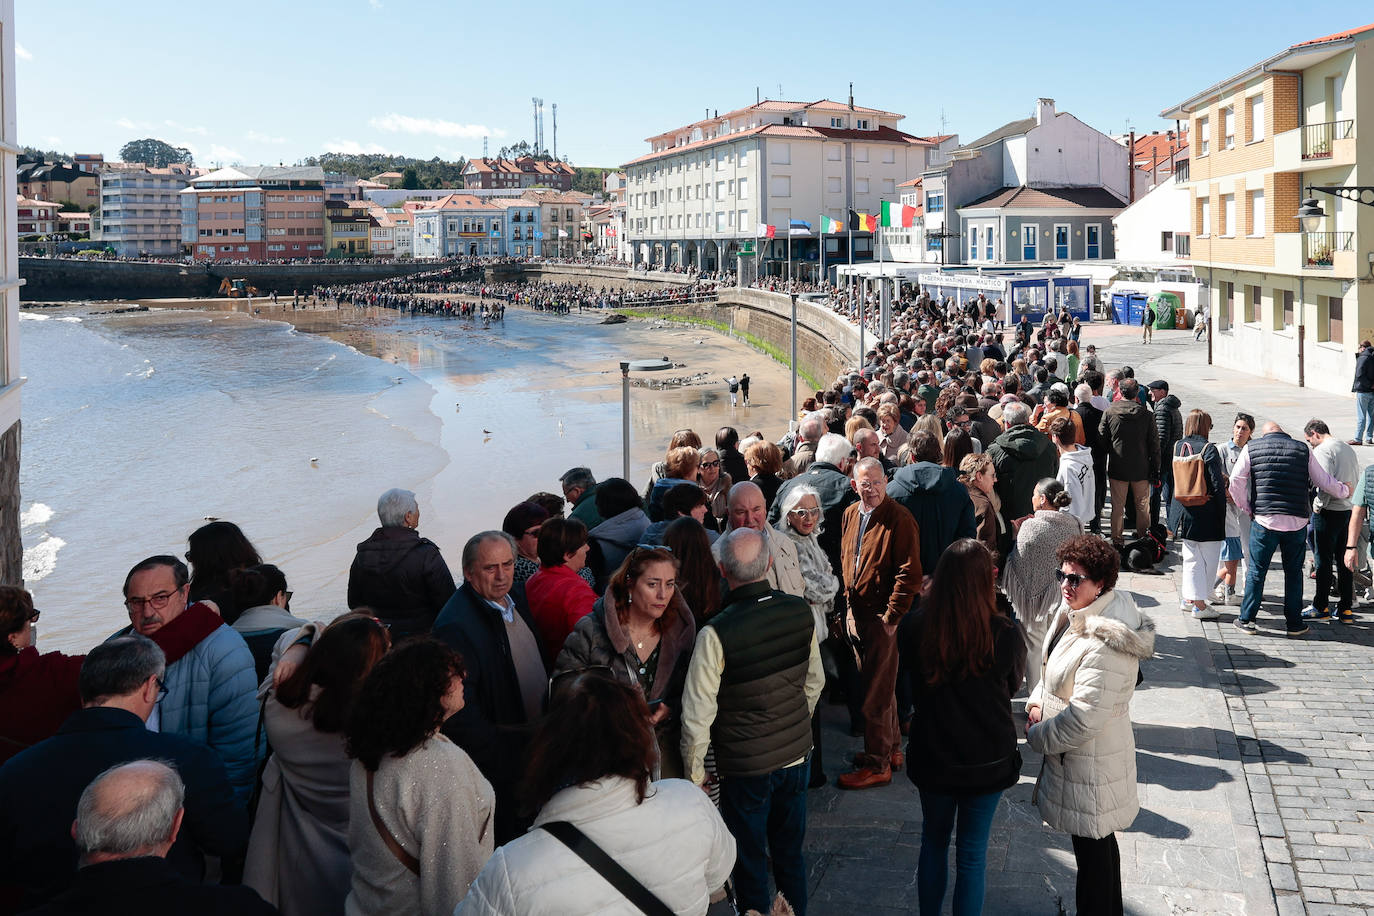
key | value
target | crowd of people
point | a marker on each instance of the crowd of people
(615, 706)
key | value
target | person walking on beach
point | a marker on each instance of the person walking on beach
(733, 382)
(744, 388)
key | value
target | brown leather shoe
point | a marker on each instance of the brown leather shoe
(865, 778)
(897, 760)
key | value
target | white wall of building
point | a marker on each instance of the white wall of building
(1063, 152)
(1140, 227)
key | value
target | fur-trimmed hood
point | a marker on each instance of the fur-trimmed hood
(1114, 620)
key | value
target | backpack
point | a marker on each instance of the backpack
(1190, 476)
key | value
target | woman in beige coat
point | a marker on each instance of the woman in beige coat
(1079, 716)
(420, 816)
(298, 851)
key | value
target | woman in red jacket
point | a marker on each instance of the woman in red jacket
(558, 596)
(37, 692)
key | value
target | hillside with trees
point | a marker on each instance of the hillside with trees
(419, 173)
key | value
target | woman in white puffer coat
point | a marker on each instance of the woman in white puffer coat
(1080, 720)
(592, 758)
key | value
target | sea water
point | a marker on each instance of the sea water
(140, 427)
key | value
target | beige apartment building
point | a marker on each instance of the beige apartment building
(1288, 301)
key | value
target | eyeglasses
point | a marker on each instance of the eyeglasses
(161, 689)
(804, 513)
(33, 615)
(1072, 580)
(156, 602)
(709, 464)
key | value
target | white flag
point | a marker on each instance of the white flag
(562, 233)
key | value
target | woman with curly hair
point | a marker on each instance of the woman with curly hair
(298, 852)
(589, 773)
(420, 825)
(1079, 717)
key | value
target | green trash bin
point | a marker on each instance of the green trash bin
(1164, 305)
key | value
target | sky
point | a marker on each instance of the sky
(252, 82)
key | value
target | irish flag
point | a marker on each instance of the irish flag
(829, 225)
(898, 215)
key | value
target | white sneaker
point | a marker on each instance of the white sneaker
(1185, 606)
(1205, 613)
(1220, 593)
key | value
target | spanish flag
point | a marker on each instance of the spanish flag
(862, 222)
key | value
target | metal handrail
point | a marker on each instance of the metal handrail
(1319, 247)
(1318, 140)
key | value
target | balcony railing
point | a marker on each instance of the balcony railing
(1319, 248)
(1318, 140)
(1183, 245)
(1181, 171)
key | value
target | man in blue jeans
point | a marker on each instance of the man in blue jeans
(1271, 481)
(1363, 386)
(754, 680)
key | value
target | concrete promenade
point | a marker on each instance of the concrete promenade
(1256, 777)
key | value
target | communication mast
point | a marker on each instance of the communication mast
(538, 106)
(555, 130)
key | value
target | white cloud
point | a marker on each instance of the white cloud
(354, 148)
(22, 52)
(254, 136)
(198, 131)
(375, 4)
(398, 123)
(54, 142)
(220, 153)
(128, 125)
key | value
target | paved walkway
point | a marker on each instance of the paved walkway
(1256, 779)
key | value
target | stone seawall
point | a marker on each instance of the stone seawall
(48, 279)
(826, 343)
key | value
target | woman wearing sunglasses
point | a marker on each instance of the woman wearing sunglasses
(1079, 716)
(37, 692)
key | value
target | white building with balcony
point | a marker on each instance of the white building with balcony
(140, 208)
(704, 189)
(1288, 300)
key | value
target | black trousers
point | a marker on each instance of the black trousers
(1099, 876)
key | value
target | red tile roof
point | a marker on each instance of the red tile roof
(1337, 36)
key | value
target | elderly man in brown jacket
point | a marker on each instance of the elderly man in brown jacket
(881, 559)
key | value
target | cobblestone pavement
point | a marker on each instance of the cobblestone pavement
(1256, 779)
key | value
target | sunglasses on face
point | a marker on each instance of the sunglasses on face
(1072, 580)
(707, 465)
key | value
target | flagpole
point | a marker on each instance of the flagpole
(822, 243)
(850, 222)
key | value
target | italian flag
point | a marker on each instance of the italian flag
(829, 225)
(898, 215)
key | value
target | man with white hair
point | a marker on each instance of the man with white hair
(881, 568)
(399, 576)
(809, 432)
(758, 718)
(126, 822)
(747, 509)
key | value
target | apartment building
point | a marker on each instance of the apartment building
(140, 208)
(57, 181)
(347, 229)
(404, 232)
(256, 212)
(459, 224)
(1288, 300)
(523, 237)
(704, 188)
(35, 217)
(524, 172)
(560, 222)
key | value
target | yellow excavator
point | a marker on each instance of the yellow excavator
(236, 289)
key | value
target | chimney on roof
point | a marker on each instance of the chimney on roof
(1044, 110)
(851, 96)
(716, 113)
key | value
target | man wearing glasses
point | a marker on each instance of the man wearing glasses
(211, 679)
(121, 685)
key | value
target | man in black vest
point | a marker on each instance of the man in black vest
(1271, 481)
(753, 683)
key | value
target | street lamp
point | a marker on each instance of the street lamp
(638, 365)
(1311, 214)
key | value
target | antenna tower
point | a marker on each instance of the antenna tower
(537, 102)
(555, 130)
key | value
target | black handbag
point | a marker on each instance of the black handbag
(606, 867)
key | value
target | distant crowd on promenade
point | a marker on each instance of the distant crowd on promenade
(636, 668)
